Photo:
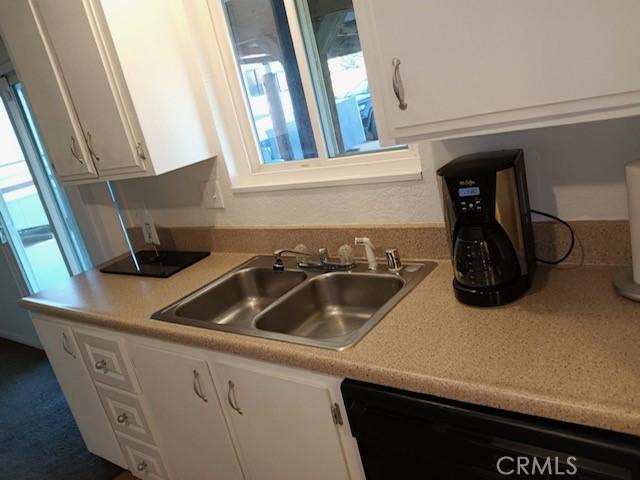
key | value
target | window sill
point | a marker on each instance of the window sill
(380, 167)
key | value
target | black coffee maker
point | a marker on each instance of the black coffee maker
(486, 208)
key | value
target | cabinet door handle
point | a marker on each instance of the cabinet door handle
(140, 151)
(197, 388)
(90, 145)
(398, 87)
(101, 365)
(231, 398)
(142, 466)
(74, 150)
(65, 345)
(122, 418)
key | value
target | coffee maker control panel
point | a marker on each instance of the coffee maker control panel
(469, 200)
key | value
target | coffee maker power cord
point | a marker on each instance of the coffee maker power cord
(571, 245)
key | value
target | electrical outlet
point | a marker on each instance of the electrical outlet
(149, 231)
(213, 195)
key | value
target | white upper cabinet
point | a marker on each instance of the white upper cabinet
(123, 80)
(465, 67)
(107, 130)
(49, 100)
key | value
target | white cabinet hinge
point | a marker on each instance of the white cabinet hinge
(335, 413)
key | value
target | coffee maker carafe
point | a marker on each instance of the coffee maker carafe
(488, 222)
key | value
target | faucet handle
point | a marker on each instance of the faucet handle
(323, 253)
(393, 259)
(303, 253)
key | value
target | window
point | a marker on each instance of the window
(340, 80)
(263, 45)
(304, 100)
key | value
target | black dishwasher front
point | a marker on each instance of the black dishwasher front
(404, 435)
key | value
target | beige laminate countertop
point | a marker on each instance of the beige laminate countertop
(569, 350)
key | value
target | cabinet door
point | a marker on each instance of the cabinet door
(88, 70)
(469, 65)
(46, 92)
(185, 411)
(63, 354)
(283, 424)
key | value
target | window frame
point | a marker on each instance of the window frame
(250, 174)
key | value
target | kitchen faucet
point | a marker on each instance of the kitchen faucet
(370, 251)
(323, 261)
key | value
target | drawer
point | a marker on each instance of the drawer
(125, 413)
(144, 461)
(106, 361)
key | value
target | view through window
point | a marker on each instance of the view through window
(340, 77)
(24, 216)
(274, 89)
(271, 78)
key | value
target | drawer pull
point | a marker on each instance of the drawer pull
(122, 418)
(398, 87)
(197, 388)
(65, 345)
(142, 466)
(101, 365)
(231, 398)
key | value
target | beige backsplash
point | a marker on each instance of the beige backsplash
(597, 242)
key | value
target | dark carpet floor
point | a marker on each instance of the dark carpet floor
(39, 439)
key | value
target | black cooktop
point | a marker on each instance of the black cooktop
(149, 263)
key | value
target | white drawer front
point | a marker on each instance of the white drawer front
(106, 361)
(144, 461)
(126, 414)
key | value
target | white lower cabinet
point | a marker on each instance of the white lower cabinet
(282, 421)
(145, 462)
(171, 412)
(126, 413)
(184, 406)
(62, 350)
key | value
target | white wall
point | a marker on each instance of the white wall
(97, 220)
(574, 171)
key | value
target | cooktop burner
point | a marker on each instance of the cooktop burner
(149, 263)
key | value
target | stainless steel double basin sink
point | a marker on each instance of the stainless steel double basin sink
(324, 309)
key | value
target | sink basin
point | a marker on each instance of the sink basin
(238, 297)
(331, 305)
(312, 307)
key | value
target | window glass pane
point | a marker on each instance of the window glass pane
(25, 222)
(340, 76)
(271, 79)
